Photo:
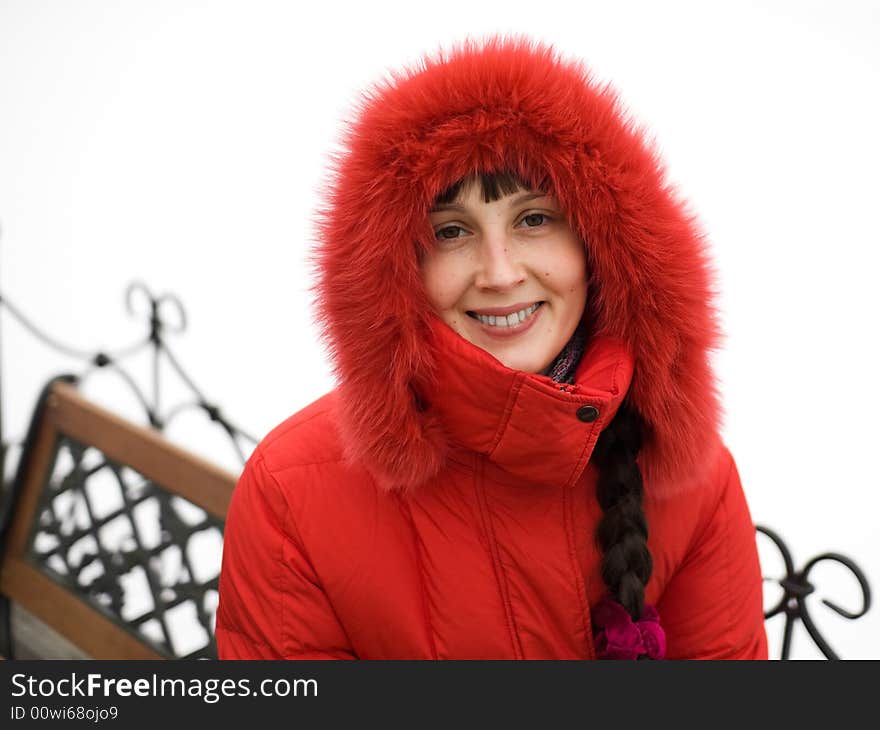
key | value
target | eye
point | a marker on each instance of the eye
(535, 220)
(448, 233)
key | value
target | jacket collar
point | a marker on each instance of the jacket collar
(526, 424)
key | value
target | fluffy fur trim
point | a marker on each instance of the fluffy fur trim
(509, 103)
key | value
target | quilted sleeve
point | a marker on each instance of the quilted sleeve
(271, 605)
(712, 608)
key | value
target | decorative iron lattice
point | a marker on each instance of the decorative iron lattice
(163, 314)
(796, 588)
(145, 558)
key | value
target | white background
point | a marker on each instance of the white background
(184, 144)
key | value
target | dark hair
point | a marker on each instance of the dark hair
(493, 185)
(622, 533)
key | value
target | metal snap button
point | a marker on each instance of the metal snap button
(587, 414)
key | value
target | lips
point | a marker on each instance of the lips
(510, 321)
(503, 311)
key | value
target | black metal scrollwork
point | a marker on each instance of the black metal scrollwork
(158, 312)
(796, 588)
(116, 560)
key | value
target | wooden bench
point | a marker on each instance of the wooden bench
(110, 537)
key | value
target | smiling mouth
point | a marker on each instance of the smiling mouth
(511, 320)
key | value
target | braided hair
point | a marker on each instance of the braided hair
(622, 534)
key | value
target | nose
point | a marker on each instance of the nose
(500, 265)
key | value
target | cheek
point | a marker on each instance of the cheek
(443, 283)
(432, 278)
(568, 273)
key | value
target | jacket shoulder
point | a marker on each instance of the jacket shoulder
(307, 437)
(303, 461)
(721, 482)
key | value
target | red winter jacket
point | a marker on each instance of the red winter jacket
(439, 505)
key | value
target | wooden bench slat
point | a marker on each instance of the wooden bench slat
(97, 635)
(144, 450)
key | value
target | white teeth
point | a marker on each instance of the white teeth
(510, 320)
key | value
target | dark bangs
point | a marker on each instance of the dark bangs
(494, 186)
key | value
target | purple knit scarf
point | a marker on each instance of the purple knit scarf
(562, 369)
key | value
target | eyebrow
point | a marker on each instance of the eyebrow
(525, 197)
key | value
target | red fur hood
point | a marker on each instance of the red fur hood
(517, 105)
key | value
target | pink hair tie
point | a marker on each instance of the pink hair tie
(617, 636)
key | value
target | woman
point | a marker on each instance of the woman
(521, 459)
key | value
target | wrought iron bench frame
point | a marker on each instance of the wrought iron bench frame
(64, 417)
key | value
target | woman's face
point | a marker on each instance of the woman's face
(509, 276)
